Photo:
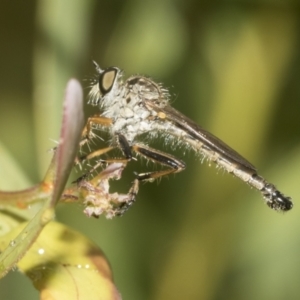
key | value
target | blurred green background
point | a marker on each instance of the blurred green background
(232, 66)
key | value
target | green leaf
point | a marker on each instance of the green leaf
(54, 181)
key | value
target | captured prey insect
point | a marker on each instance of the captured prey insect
(139, 106)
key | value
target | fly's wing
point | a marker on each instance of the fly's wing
(198, 133)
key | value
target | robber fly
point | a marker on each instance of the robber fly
(139, 106)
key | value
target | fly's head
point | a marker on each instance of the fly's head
(108, 89)
(106, 86)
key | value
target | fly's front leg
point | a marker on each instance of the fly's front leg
(175, 165)
(96, 120)
(87, 135)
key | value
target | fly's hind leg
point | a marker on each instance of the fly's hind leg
(175, 165)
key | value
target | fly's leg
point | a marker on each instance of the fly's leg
(96, 120)
(96, 153)
(175, 165)
(122, 144)
(126, 150)
(87, 135)
(125, 201)
(98, 164)
(121, 209)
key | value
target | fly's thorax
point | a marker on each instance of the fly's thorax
(148, 90)
(130, 120)
(125, 104)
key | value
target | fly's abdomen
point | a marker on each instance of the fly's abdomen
(244, 171)
(274, 198)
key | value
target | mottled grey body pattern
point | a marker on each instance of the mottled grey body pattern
(139, 106)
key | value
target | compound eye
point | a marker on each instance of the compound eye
(107, 79)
